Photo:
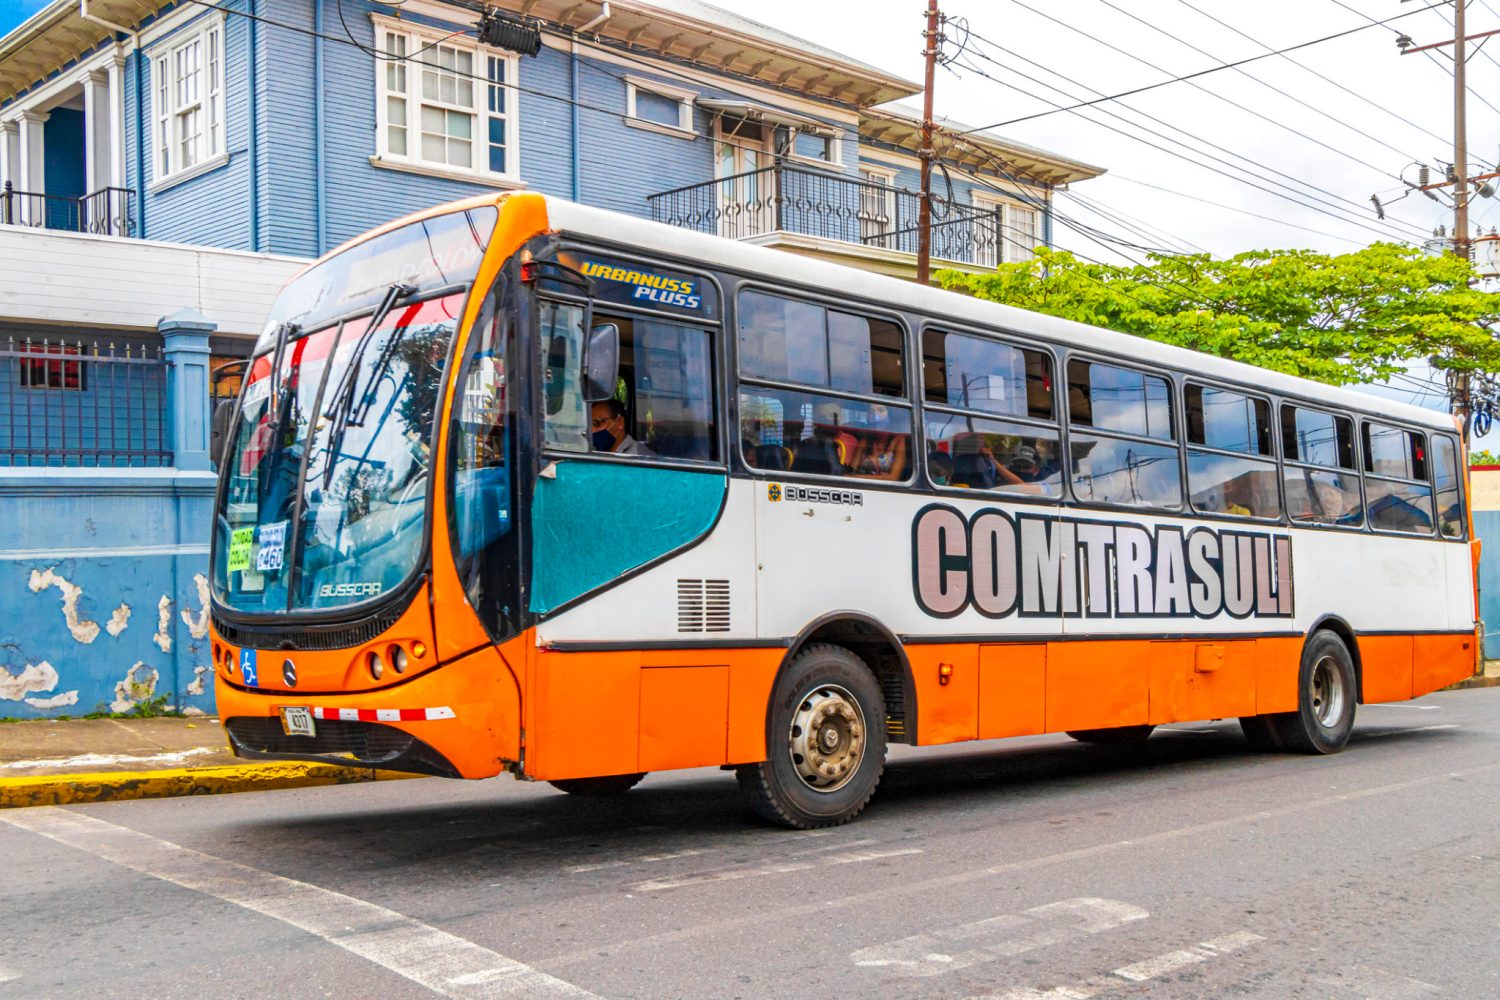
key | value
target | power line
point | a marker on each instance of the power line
(1202, 72)
(1130, 222)
(1248, 75)
(1359, 212)
(1327, 79)
(1231, 208)
(1385, 233)
(1266, 118)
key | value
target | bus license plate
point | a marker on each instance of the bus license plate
(297, 720)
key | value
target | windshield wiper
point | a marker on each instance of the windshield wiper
(344, 394)
(284, 332)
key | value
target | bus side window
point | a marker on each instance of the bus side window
(1320, 478)
(1126, 451)
(858, 425)
(1446, 478)
(1231, 463)
(1397, 490)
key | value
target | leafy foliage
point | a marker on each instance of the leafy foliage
(1483, 458)
(1346, 318)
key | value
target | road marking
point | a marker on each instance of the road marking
(907, 887)
(1377, 734)
(734, 874)
(998, 937)
(644, 859)
(1138, 972)
(443, 963)
(1378, 984)
(1400, 704)
(108, 759)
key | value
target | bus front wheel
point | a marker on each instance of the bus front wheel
(825, 742)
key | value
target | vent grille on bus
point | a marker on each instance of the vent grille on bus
(702, 605)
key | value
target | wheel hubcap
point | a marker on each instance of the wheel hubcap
(827, 738)
(1327, 692)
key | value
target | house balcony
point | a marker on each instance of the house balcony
(822, 214)
(107, 212)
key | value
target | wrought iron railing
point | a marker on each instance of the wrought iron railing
(78, 404)
(106, 212)
(829, 206)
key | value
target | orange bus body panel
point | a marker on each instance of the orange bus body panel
(1440, 660)
(1278, 661)
(1202, 680)
(1096, 685)
(477, 741)
(1012, 690)
(1386, 667)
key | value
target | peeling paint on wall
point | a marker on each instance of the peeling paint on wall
(119, 620)
(82, 629)
(56, 701)
(138, 685)
(198, 628)
(34, 677)
(195, 686)
(163, 636)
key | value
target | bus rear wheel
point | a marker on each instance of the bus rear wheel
(1326, 694)
(609, 784)
(825, 742)
(1120, 736)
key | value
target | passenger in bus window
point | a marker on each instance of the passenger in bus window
(608, 424)
(882, 453)
(823, 448)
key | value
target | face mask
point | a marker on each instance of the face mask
(603, 440)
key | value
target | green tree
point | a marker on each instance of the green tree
(1344, 318)
(1483, 458)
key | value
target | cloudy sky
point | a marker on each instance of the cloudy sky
(1279, 153)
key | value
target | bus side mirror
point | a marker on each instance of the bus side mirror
(219, 433)
(601, 363)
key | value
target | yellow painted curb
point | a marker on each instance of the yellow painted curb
(111, 786)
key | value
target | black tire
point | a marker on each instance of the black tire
(1259, 732)
(784, 789)
(1120, 736)
(610, 784)
(1326, 695)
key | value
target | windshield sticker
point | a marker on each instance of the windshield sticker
(1001, 564)
(240, 541)
(272, 546)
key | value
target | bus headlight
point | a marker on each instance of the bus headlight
(398, 659)
(376, 664)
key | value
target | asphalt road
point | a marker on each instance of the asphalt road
(1035, 868)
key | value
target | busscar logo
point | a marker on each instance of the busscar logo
(349, 589)
(773, 492)
(805, 494)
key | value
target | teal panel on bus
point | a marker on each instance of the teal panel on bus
(597, 520)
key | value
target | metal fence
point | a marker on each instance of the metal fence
(106, 212)
(832, 207)
(80, 404)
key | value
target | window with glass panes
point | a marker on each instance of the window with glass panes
(188, 92)
(447, 104)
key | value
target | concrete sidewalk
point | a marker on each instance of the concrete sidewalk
(51, 762)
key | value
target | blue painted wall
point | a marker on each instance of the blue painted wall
(86, 561)
(63, 170)
(1487, 527)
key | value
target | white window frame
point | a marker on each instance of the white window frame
(834, 137)
(416, 38)
(885, 201)
(684, 99)
(174, 104)
(1010, 249)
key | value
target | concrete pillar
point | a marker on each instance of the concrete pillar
(96, 140)
(114, 71)
(184, 337)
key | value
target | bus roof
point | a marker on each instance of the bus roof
(810, 273)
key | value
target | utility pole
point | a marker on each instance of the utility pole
(1461, 245)
(924, 206)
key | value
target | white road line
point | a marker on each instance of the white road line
(644, 859)
(1138, 972)
(1378, 984)
(998, 937)
(734, 874)
(1401, 704)
(443, 963)
(1377, 734)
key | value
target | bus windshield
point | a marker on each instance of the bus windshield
(328, 469)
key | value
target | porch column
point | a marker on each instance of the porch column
(184, 337)
(10, 153)
(96, 134)
(114, 71)
(32, 173)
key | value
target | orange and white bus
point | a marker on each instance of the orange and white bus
(518, 485)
